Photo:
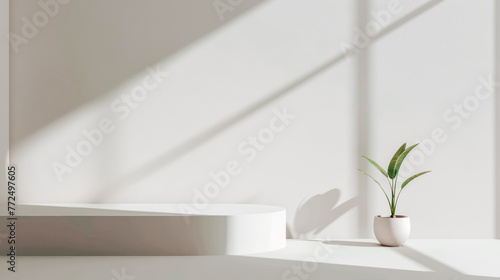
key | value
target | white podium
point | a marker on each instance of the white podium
(147, 229)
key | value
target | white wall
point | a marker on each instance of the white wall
(497, 119)
(227, 76)
(4, 99)
(419, 73)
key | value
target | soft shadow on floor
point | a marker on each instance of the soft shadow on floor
(409, 253)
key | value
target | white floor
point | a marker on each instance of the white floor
(342, 259)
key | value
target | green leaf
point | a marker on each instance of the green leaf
(391, 170)
(401, 158)
(376, 166)
(371, 177)
(378, 185)
(412, 177)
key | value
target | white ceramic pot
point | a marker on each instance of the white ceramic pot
(392, 231)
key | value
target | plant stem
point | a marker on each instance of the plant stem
(393, 189)
(394, 204)
(397, 199)
(389, 182)
(386, 196)
(392, 195)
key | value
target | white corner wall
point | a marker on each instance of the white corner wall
(232, 77)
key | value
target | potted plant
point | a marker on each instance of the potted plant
(393, 230)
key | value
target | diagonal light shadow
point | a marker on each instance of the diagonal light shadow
(94, 54)
(209, 133)
(196, 141)
(410, 16)
(441, 270)
(429, 262)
